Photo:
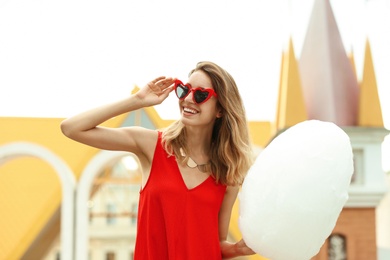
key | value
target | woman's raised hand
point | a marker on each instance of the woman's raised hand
(156, 91)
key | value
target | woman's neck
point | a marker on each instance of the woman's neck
(198, 142)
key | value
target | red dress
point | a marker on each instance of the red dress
(175, 222)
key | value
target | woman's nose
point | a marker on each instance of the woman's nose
(190, 97)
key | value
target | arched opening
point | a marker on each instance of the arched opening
(113, 208)
(67, 180)
(107, 204)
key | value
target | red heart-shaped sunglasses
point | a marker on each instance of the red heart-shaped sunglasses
(200, 95)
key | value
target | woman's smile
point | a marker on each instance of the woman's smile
(190, 110)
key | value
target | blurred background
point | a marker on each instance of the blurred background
(293, 60)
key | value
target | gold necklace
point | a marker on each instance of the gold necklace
(192, 164)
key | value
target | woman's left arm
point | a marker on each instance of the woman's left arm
(228, 249)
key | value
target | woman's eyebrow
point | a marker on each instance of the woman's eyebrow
(195, 87)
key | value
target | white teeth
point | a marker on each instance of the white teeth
(189, 110)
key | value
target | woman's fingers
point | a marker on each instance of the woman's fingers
(165, 83)
(158, 85)
(245, 249)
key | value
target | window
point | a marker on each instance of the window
(358, 164)
(133, 213)
(111, 211)
(337, 247)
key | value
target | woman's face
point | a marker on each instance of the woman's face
(199, 114)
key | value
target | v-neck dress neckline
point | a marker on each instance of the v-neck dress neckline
(209, 178)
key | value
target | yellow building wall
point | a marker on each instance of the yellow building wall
(28, 197)
(30, 191)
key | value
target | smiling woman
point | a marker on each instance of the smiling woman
(191, 171)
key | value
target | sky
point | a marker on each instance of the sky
(58, 58)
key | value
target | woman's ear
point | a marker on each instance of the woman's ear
(219, 114)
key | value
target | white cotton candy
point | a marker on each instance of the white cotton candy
(295, 191)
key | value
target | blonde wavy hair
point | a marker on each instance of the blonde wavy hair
(230, 151)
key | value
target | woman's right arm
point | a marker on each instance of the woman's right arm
(85, 128)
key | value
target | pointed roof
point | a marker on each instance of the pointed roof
(351, 57)
(328, 80)
(291, 106)
(370, 112)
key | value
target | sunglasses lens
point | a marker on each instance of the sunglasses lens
(200, 96)
(182, 91)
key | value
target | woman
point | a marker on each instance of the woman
(191, 171)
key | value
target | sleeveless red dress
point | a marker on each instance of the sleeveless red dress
(175, 222)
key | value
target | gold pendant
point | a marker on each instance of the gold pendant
(191, 163)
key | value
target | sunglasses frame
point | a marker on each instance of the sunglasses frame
(210, 91)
